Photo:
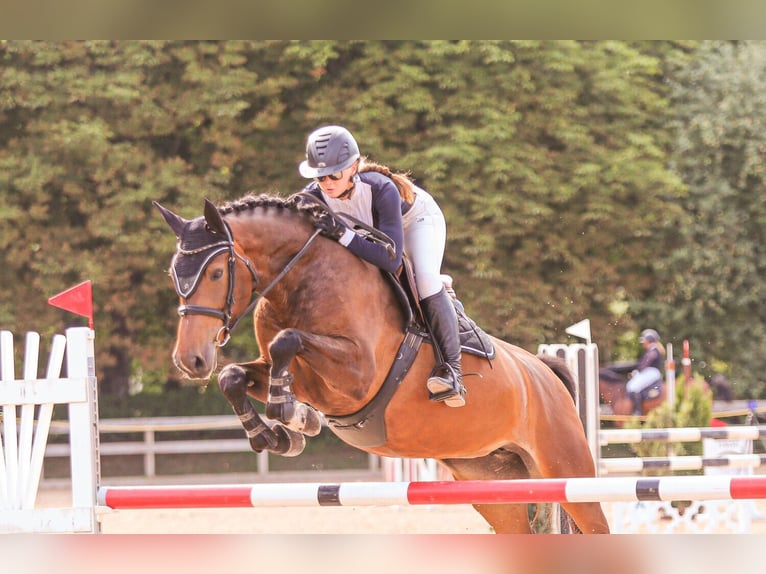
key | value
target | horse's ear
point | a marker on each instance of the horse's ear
(176, 222)
(214, 219)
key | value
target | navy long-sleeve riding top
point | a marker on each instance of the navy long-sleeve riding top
(376, 202)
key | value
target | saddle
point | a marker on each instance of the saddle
(367, 427)
(652, 391)
(617, 374)
(473, 339)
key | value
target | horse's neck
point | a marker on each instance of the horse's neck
(326, 271)
(269, 239)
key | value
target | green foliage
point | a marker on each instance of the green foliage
(576, 178)
(713, 289)
(175, 401)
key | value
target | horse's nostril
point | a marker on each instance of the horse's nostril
(199, 363)
(194, 365)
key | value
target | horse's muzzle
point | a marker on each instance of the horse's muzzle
(196, 365)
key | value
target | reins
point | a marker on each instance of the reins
(290, 264)
(370, 233)
(224, 333)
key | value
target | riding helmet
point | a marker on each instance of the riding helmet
(329, 149)
(649, 336)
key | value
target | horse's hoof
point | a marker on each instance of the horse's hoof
(258, 444)
(289, 443)
(311, 421)
(296, 416)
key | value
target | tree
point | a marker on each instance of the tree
(548, 158)
(91, 133)
(713, 282)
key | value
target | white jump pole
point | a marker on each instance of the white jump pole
(680, 434)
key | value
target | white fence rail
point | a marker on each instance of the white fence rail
(149, 447)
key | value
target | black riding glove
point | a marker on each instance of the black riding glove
(330, 226)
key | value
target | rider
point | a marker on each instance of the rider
(648, 371)
(410, 217)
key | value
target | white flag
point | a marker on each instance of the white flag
(581, 330)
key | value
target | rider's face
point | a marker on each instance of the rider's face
(337, 187)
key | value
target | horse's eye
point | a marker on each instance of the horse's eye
(216, 274)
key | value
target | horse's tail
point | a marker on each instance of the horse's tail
(560, 369)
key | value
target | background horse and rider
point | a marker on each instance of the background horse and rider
(636, 388)
(339, 342)
(612, 387)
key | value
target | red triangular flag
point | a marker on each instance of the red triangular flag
(77, 299)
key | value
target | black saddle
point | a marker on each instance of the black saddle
(473, 339)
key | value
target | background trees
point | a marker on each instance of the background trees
(611, 180)
(711, 289)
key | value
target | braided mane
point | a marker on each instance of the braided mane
(292, 203)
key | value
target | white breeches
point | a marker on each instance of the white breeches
(425, 236)
(640, 381)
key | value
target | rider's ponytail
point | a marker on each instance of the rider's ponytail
(659, 347)
(401, 180)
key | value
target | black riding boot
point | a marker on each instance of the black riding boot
(635, 399)
(446, 380)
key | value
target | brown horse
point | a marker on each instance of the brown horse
(329, 326)
(612, 383)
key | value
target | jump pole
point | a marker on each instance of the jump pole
(611, 465)
(682, 434)
(610, 489)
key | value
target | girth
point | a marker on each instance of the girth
(367, 427)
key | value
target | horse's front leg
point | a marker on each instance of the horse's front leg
(236, 380)
(281, 403)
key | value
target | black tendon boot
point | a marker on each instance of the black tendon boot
(446, 380)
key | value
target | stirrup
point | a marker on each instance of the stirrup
(449, 391)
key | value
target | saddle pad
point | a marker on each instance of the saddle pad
(472, 339)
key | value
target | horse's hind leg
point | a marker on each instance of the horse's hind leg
(281, 403)
(505, 464)
(569, 456)
(499, 465)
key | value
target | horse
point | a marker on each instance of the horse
(330, 327)
(612, 388)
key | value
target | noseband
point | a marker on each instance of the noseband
(226, 314)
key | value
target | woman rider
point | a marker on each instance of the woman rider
(393, 204)
(649, 367)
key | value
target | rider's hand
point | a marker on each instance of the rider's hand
(330, 226)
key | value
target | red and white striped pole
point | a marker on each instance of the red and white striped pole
(612, 489)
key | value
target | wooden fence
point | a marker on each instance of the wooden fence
(149, 446)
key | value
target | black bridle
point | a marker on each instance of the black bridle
(226, 314)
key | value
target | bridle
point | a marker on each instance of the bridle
(226, 314)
